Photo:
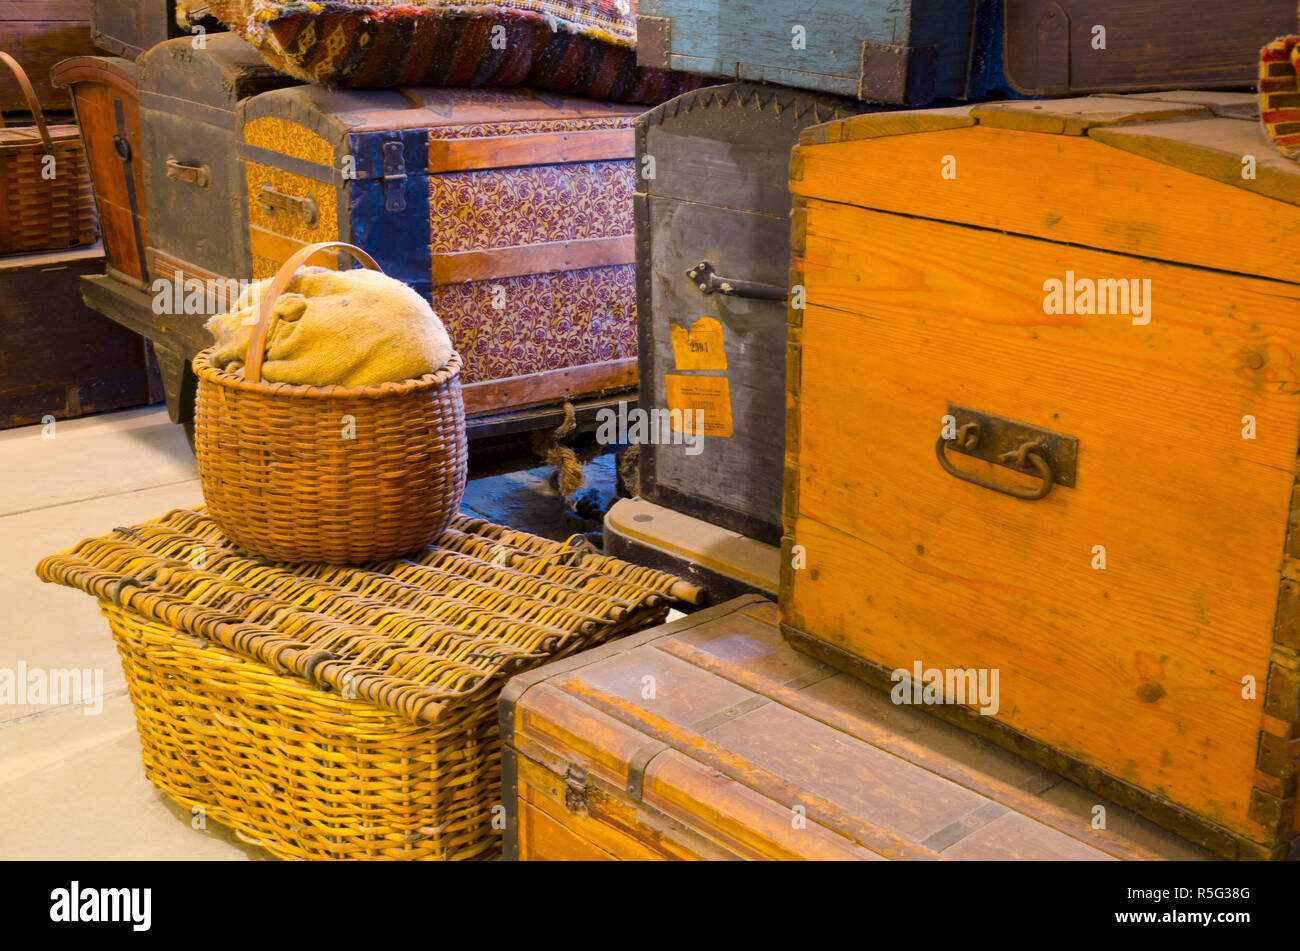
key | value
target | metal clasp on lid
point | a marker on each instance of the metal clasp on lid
(394, 176)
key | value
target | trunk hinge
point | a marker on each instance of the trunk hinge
(394, 176)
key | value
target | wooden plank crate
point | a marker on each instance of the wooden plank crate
(905, 52)
(1070, 47)
(39, 35)
(910, 52)
(61, 359)
(1044, 420)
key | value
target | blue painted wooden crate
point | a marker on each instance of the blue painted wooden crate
(906, 52)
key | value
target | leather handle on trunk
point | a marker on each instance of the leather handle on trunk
(177, 171)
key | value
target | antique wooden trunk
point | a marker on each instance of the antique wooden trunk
(61, 359)
(718, 206)
(130, 27)
(39, 35)
(1063, 47)
(510, 209)
(193, 181)
(1060, 443)
(907, 52)
(107, 104)
(709, 738)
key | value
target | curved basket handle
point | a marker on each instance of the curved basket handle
(257, 339)
(33, 104)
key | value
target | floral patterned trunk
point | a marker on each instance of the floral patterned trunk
(510, 209)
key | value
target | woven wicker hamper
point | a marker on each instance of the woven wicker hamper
(43, 206)
(329, 712)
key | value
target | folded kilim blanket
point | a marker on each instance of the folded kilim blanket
(586, 47)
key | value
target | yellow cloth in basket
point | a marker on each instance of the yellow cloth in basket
(345, 328)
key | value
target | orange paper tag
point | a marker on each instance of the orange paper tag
(700, 348)
(708, 394)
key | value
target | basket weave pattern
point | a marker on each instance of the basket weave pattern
(338, 712)
(40, 213)
(330, 474)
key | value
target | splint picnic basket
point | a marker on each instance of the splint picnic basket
(337, 474)
(46, 199)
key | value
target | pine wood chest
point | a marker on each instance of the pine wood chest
(1044, 421)
(713, 201)
(709, 738)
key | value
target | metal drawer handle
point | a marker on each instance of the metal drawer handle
(707, 280)
(273, 201)
(199, 175)
(1026, 456)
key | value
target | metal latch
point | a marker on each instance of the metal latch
(575, 789)
(394, 176)
(706, 277)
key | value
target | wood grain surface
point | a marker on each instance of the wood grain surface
(1136, 668)
(1079, 190)
(712, 738)
(38, 35)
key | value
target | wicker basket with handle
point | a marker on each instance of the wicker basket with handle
(333, 474)
(46, 199)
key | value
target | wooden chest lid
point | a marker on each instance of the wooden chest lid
(1160, 175)
(1079, 116)
(810, 107)
(115, 71)
(1056, 117)
(360, 111)
(716, 716)
(434, 632)
(219, 74)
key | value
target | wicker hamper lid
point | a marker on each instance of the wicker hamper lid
(419, 636)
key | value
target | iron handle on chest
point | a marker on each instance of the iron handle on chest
(276, 201)
(1005, 442)
(707, 279)
(177, 171)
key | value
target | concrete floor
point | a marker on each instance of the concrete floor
(71, 782)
